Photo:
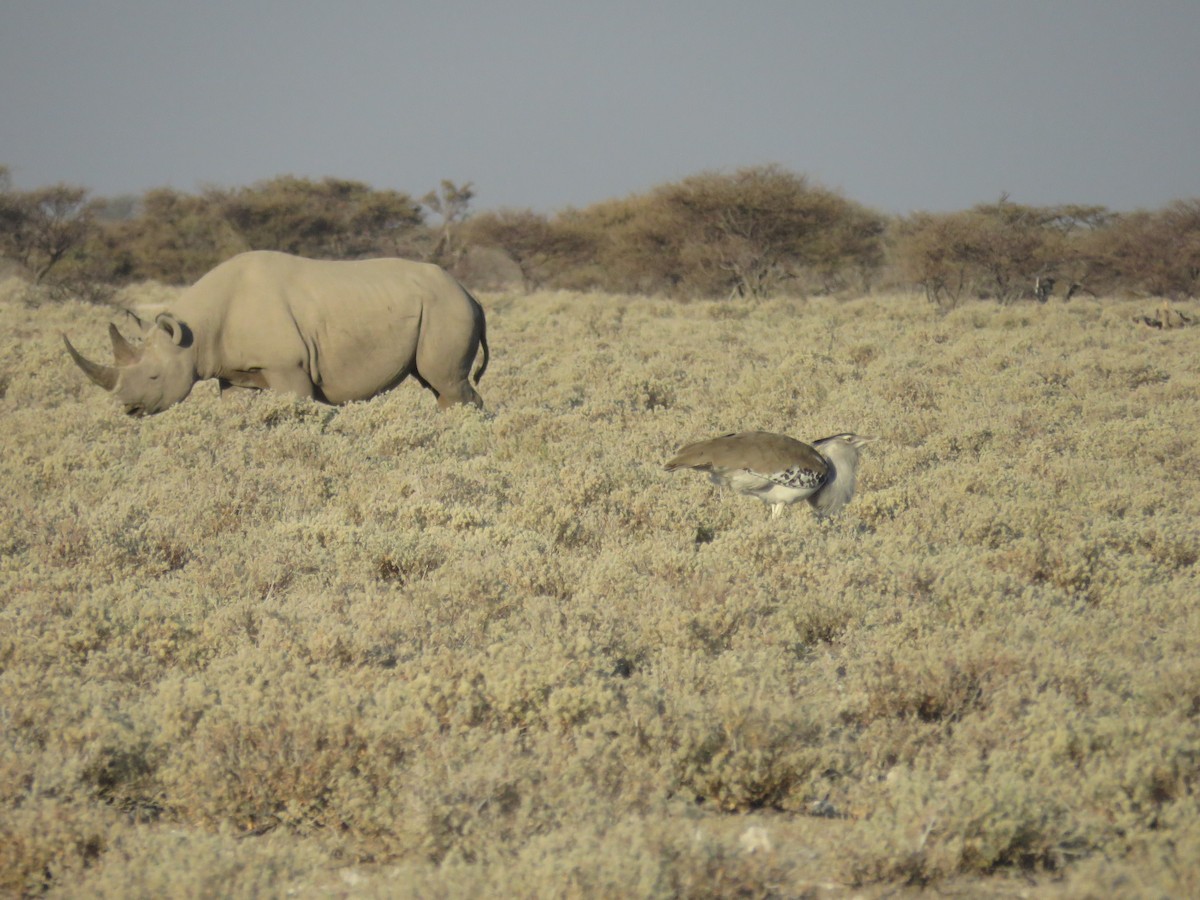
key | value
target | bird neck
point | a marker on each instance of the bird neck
(839, 486)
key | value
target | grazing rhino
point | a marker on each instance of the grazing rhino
(333, 331)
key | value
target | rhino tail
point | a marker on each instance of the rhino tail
(482, 343)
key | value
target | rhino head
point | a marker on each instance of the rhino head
(149, 378)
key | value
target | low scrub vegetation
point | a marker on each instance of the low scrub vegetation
(264, 646)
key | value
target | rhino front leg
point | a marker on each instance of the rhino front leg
(238, 383)
(290, 381)
(229, 390)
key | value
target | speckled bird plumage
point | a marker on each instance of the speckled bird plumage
(777, 469)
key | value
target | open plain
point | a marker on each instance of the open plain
(265, 647)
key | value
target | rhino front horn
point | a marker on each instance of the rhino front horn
(105, 376)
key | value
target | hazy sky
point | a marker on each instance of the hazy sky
(902, 105)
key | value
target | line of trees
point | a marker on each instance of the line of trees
(754, 232)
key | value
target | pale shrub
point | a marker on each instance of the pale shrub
(267, 646)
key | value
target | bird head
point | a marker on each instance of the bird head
(846, 438)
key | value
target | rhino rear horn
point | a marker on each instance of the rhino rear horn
(105, 376)
(123, 352)
(137, 320)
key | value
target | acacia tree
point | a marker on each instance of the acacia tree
(626, 245)
(173, 237)
(537, 246)
(743, 234)
(1180, 226)
(747, 233)
(930, 253)
(451, 203)
(851, 252)
(39, 228)
(1154, 252)
(999, 250)
(333, 218)
(1014, 246)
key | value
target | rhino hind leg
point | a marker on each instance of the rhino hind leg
(450, 392)
(449, 381)
(446, 347)
(459, 392)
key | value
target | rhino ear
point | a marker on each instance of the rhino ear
(124, 353)
(179, 332)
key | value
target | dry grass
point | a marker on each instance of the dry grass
(263, 646)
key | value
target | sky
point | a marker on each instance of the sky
(901, 105)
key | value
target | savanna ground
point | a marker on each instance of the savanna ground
(267, 647)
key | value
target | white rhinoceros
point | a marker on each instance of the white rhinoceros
(333, 331)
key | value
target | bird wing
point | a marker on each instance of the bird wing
(758, 451)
